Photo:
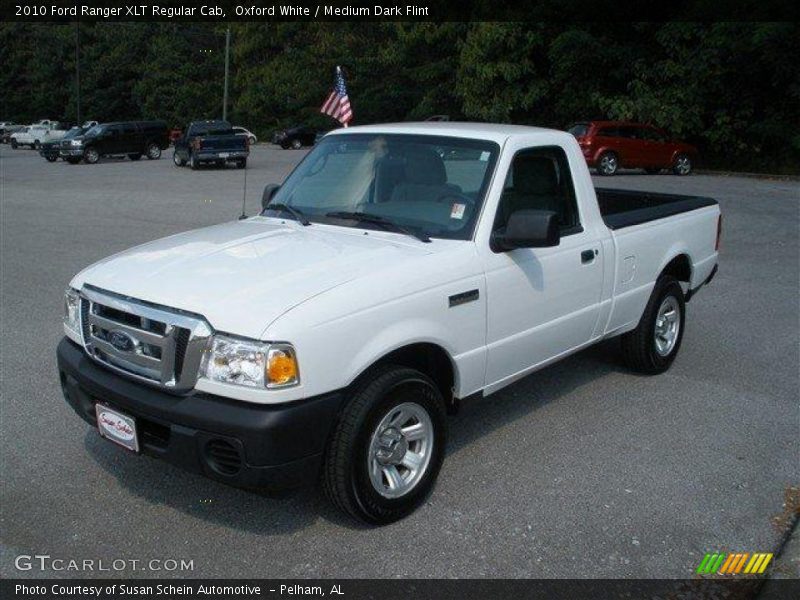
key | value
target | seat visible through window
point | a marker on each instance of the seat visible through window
(424, 178)
(539, 180)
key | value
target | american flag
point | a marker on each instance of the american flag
(337, 105)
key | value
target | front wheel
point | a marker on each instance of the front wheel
(388, 446)
(608, 164)
(179, 162)
(297, 144)
(91, 156)
(683, 165)
(653, 345)
(51, 158)
(153, 151)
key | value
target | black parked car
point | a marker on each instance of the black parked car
(295, 137)
(131, 138)
(51, 150)
(213, 142)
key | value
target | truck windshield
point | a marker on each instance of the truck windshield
(432, 186)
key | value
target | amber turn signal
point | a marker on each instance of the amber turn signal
(282, 367)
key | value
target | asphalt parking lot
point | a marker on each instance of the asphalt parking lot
(581, 470)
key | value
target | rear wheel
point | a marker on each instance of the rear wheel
(683, 165)
(608, 164)
(153, 151)
(653, 345)
(135, 156)
(91, 156)
(388, 446)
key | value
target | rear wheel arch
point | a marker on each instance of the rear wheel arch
(679, 267)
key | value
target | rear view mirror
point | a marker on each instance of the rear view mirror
(527, 229)
(269, 191)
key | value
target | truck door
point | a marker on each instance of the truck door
(541, 302)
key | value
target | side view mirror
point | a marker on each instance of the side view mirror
(527, 228)
(269, 191)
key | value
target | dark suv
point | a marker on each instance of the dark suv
(134, 138)
(612, 145)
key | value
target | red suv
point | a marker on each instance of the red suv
(611, 145)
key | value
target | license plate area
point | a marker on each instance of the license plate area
(117, 427)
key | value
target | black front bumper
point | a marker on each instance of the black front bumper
(244, 444)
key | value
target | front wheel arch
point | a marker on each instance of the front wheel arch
(428, 358)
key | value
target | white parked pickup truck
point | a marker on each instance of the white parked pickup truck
(398, 269)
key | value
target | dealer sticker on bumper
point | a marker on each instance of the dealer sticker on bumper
(117, 427)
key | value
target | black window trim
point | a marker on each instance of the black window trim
(567, 231)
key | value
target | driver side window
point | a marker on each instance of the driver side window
(539, 179)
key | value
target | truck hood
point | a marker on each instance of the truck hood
(243, 275)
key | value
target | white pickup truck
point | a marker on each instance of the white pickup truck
(398, 269)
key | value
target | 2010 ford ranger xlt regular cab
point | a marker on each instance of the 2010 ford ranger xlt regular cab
(398, 269)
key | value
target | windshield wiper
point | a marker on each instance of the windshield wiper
(378, 220)
(295, 212)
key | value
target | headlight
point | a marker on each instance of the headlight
(72, 311)
(250, 363)
(75, 142)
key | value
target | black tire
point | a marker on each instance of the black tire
(241, 163)
(91, 156)
(608, 164)
(345, 475)
(252, 140)
(179, 162)
(639, 350)
(297, 144)
(153, 151)
(50, 158)
(14, 144)
(193, 164)
(683, 165)
(135, 156)
(285, 145)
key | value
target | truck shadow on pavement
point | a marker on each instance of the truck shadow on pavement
(160, 483)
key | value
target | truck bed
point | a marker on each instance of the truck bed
(624, 208)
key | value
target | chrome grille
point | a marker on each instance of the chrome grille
(147, 342)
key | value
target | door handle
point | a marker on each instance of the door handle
(587, 256)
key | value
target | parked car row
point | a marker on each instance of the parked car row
(609, 146)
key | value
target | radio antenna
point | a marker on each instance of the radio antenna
(244, 195)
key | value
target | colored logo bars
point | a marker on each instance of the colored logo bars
(743, 563)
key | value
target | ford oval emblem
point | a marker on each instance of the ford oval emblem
(121, 341)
